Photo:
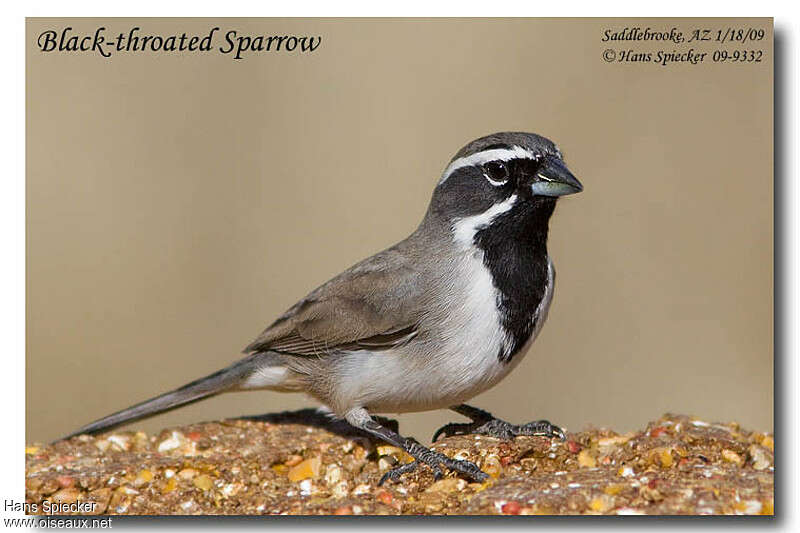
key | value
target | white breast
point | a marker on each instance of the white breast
(440, 372)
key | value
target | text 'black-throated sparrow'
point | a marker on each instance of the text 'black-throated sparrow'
(428, 323)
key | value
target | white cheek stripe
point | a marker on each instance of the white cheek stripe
(479, 158)
(464, 229)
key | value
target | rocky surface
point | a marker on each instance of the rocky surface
(301, 463)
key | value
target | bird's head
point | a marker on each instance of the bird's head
(509, 178)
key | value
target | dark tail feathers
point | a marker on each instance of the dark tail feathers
(198, 389)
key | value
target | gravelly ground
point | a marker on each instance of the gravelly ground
(300, 463)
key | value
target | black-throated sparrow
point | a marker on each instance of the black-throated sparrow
(428, 323)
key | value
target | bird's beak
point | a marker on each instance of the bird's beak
(554, 179)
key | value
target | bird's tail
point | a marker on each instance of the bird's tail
(223, 380)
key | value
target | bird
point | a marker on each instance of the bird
(428, 323)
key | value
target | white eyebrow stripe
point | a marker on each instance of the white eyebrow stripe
(479, 158)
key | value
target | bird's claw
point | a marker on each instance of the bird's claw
(395, 473)
(435, 461)
(501, 429)
(540, 428)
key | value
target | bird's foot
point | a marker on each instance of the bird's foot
(485, 424)
(435, 461)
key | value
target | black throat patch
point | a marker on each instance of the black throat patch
(515, 252)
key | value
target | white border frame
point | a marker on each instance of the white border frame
(12, 210)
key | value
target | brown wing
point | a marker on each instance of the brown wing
(375, 304)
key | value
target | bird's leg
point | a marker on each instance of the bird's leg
(483, 423)
(361, 419)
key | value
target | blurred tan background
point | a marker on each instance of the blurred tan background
(177, 203)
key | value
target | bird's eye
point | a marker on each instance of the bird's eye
(496, 172)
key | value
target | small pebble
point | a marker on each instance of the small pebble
(758, 456)
(449, 484)
(125, 489)
(492, 466)
(732, 457)
(333, 474)
(341, 489)
(665, 457)
(389, 450)
(306, 487)
(120, 443)
(612, 442)
(749, 507)
(293, 460)
(280, 468)
(144, 476)
(305, 469)
(384, 496)
(169, 486)
(362, 489)
(625, 471)
(194, 435)
(386, 462)
(657, 432)
(586, 459)
(187, 473)
(601, 504)
(231, 489)
(203, 482)
(172, 441)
